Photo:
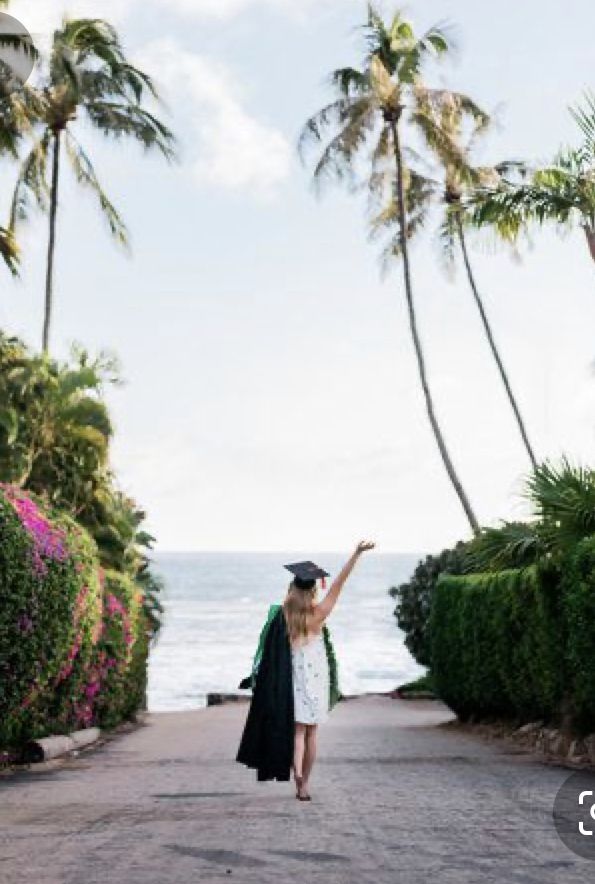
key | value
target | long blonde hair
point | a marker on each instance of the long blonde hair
(298, 608)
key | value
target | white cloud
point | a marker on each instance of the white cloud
(227, 8)
(232, 148)
(42, 16)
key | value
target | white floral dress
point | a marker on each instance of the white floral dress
(310, 681)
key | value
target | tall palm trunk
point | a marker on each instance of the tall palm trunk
(49, 279)
(492, 342)
(452, 474)
(590, 235)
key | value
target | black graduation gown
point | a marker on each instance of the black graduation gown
(268, 739)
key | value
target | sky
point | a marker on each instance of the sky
(271, 398)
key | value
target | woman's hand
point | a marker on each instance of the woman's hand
(324, 608)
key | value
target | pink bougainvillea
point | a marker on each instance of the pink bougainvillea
(114, 605)
(49, 541)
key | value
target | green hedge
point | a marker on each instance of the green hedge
(578, 595)
(73, 644)
(497, 644)
(414, 599)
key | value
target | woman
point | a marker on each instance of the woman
(294, 679)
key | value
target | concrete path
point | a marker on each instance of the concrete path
(396, 799)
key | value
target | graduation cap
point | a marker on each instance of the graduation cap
(306, 574)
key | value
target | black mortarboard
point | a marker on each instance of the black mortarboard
(306, 574)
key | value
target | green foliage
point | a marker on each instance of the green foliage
(54, 426)
(50, 615)
(334, 690)
(562, 193)
(414, 599)
(512, 545)
(55, 433)
(497, 644)
(123, 625)
(390, 82)
(562, 499)
(356, 124)
(518, 641)
(425, 684)
(578, 593)
(74, 640)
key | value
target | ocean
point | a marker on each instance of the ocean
(216, 603)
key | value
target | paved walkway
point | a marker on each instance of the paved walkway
(396, 799)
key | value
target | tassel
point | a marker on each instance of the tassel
(323, 582)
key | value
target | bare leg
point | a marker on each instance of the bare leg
(298, 753)
(309, 752)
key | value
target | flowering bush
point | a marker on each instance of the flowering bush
(70, 635)
(123, 623)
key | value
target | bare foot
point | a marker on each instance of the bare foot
(302, 790)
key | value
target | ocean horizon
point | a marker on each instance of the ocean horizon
(216, 602)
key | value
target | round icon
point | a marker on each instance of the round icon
(17, 54)
(574, 813)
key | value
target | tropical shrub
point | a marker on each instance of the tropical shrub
(50, 617)
(517, 639)
(562, 500)
(122, 623)
(414, 599)
(497, 644)
(79, 602)
(55, 433)
(74, 640)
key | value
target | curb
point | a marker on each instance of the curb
(48, 748)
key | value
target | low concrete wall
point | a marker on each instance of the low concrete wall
(47, 748)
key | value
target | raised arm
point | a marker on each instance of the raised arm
(324, 608)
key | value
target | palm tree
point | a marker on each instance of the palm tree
(562, 193)
(54, 425)
(369, 107)
(18, 112)
(562, 501)
(87, 75)
(445, 126)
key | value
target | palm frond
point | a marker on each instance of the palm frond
(20, 114)
(509, 209)
(418, 192)
(117, 119)
(512, 545)
(31, 184)
(336, 162)
(85, 174)
(443, 118)
(332, 116)
(9, 250)
(349, 81)
(585, 118)
(411, 57)
(563, 498)
(447, 239)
